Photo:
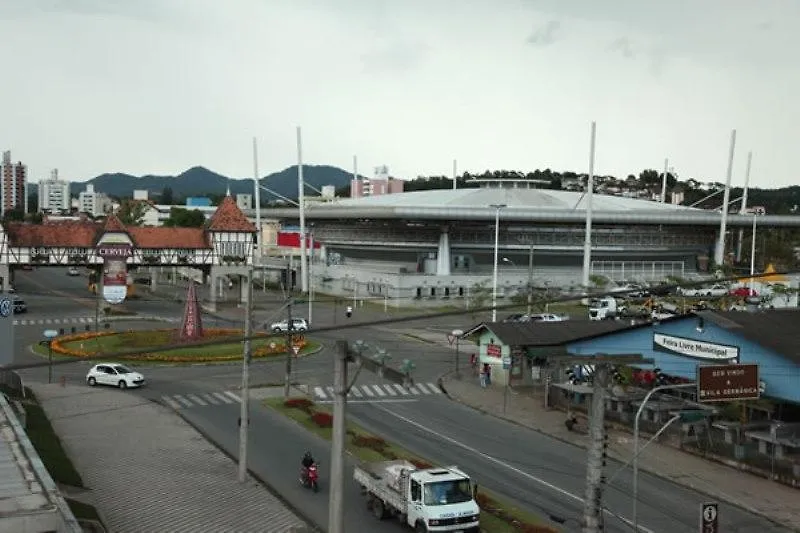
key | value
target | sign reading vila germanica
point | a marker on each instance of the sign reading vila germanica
(693, 348)
(724, 383)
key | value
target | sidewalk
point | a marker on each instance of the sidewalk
(148, 470)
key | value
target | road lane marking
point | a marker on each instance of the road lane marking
(412, 389)
(379, 390)
(401, 389)
(318, 391)
(222, 397)
(505, 465)
(368, 391)
(390, 390)
(356, 392)
(233, 396)
(183, 400)
(435, 388)
(169, 401)
(210, 399)
(422, 388)
(196, 399)
(387, 400)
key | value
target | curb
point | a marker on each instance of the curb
(310, 525)
(616, 457)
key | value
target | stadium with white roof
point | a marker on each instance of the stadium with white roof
(436, 245)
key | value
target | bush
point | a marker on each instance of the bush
(373, 443)
(303, 404)
(322, 419)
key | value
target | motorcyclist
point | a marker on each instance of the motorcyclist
(308, 460)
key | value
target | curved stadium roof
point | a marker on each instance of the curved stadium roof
(512, 197)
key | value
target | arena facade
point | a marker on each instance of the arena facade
(438, 245)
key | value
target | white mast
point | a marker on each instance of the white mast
(302, 206)
(719, 253)
(257, 198)
(587, 242)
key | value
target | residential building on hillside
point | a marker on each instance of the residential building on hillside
(93, 203)
(140, 194)
(54, 194)
(381, 184)
(13, 185)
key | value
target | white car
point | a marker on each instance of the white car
(546, 317)
(115, 375)
(298, 324)
(718, 289)
(73, 272)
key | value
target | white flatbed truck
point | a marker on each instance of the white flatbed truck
(429, 500)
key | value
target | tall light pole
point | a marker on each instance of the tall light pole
(635, 516)
(301, 201)
(457, 333)
(257, 199)
(530, 280)
(497, 208)
(719, 253)
(244, 415)
(587, 239)
(753, 256)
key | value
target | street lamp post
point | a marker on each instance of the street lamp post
(497, 208)
(753, 256)
(636, 444)
(50, 334)
(457, 333)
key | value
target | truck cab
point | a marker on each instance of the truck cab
(442, 500)
(603, 308)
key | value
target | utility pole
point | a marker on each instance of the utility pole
(340, 390)
(593, 501)
(244, 416)
(287, 382)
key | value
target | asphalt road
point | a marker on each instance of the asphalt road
(541, 474)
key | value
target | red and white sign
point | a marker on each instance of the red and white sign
(494, 350)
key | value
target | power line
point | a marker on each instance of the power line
(353, 325)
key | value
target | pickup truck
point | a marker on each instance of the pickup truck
(428, 499)
(718, 289)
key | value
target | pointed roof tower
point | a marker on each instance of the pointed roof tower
(114, 225)
(228, 217)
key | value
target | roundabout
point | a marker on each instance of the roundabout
(152, 343)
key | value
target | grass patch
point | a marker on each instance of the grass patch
(48, 445)
(496, 516)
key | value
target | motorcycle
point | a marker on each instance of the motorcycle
(309, 477)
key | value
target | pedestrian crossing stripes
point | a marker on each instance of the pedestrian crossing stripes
(385, 391)
(184, 401)
(54, 321)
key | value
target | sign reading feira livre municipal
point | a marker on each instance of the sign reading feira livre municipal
(709, 351)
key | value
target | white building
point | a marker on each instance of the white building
(156, 214)
(93, 203)
(244, 201)
(54, 194)
(140, 194)
(13, 185)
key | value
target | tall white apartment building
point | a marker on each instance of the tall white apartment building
(93, 203)
(54, 194)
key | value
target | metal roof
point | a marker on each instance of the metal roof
(523, 205)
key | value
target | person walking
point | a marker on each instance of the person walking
(487, 369)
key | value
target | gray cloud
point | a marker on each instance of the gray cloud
(396, 55)
(623, 47)
(545, 35)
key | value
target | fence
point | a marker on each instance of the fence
(639, 270)
(13, 381)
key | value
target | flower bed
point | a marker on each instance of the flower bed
(131, 340)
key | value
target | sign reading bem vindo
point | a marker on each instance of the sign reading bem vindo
(724, 383)
(115, 272)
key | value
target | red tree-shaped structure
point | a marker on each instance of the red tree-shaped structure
(192, 323)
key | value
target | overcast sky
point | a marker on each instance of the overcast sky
(158, 86)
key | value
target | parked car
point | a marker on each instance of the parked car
(115, 375)
(298, 324)
(73, 272)
(718, 289)
(631, 290)
(744, 292)
(546, 317)
(20, 306)
(517, 317)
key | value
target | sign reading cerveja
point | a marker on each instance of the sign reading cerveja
(693, 348)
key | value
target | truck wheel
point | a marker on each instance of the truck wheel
(420, 527)
(378, 509)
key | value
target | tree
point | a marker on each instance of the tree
(14, 215)
(167, 197)
(33, 203)
(477, 297)
(35, 217)
(184, 218)
(131, 212)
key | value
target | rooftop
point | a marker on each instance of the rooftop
(774, 329)
(511, 197)
(545, 334)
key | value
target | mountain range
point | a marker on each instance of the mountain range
(200, 181)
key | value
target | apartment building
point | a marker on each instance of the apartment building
(13, 185)
(93, 203)
(381, 183)
(54, 196)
